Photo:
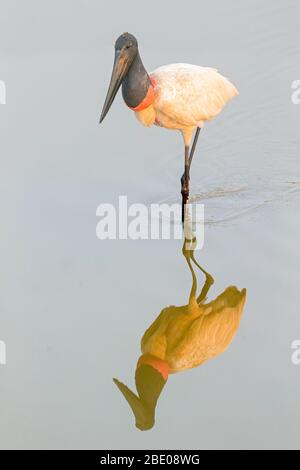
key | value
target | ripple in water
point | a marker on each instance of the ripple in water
(229, 204)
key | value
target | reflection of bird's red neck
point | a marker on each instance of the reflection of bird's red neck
(158, 364)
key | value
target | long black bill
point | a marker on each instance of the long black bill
(120, 68)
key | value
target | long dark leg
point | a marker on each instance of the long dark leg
(194, 146)
(185, 179)
(185, 182)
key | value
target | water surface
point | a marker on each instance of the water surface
(73, 308)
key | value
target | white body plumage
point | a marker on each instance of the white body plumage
(185, 97)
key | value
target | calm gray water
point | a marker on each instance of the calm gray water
(73, 308)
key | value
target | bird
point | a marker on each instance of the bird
(176, 96)
(182, 338)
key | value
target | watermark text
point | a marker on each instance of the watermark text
(295, 358)
(295, 97)
(2, 353)
(155, 222)
(2, 92)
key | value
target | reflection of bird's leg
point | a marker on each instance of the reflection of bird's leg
(194, 285)
(209, 280)
(207, 275)
(187, 254)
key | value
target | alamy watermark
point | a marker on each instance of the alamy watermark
(2, 92)
(295, 97)
(295, 357)
(155, 222)
(2, 353)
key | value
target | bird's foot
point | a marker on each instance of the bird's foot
(185, 179)
(185, 190)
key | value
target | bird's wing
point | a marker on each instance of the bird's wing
(211, 333)
(154, 337)
(190, 94)
(161, 333)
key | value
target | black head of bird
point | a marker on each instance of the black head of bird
(129, 72)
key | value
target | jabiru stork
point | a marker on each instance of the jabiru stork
(175, 96)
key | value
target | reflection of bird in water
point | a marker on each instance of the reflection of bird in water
(182, 338)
